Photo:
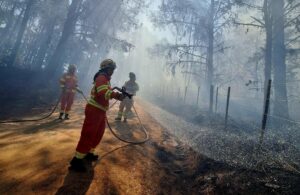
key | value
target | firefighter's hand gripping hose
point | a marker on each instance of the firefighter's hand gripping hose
(118, 137)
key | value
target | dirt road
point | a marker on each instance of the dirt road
(34, 159)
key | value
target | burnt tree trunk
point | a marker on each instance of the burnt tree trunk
(9, 24)
(69, 26)
(45, 44)
(15, 28)
(17, 45)
(210, 50)
(279, 55)
(268, 44)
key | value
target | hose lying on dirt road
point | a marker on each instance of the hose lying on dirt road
(33, 120)
(119, 138)
(54, 108)
(126, 141)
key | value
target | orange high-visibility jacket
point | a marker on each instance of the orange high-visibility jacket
(101, 92)
(69, 82)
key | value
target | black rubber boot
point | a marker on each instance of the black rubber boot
(67, 117)
(91, 157)
(118, 118)
(61, 115)
(77, 165)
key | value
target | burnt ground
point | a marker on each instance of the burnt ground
(35, 155)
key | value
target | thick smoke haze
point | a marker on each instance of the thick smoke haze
(220, 76)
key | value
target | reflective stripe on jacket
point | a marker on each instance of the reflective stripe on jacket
(101, 92)
(69, 82)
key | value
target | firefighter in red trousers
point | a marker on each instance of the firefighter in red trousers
(68, 83)
(95, 116)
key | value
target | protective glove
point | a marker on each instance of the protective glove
(78, 90)
(119, 96)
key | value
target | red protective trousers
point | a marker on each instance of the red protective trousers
(67, 100)
(92, 130)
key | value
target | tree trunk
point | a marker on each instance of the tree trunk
(17, 45)
(9, 24)
(69, 27)
(45, 43)
(268, 45)
(16, 27)
(279, 55)
(210, 50)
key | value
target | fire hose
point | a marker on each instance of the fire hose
(123, 91)
(33, 120)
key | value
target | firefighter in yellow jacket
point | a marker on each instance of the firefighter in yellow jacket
(131, 87)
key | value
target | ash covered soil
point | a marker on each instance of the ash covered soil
(34, 159)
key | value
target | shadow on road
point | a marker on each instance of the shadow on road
(77, 183)
(45, 126)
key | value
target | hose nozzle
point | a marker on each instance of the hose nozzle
(123, 91)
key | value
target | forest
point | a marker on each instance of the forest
(217, 96)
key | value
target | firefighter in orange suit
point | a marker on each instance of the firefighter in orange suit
(68, 83)
(95, 116)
